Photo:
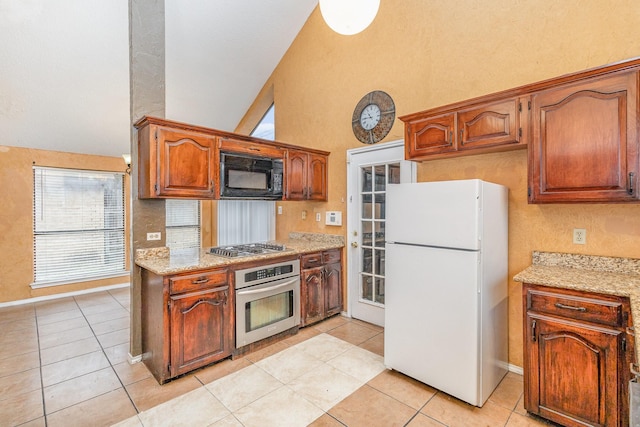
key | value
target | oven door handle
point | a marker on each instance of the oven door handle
(257, 291)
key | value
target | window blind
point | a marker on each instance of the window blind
(78, 225)
(182, 223)
(246, 221)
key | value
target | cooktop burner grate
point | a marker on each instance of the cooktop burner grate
(246, 250)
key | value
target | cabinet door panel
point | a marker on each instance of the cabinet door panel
(333, 289)
(311, 296)
(199, 329)
(430, 136)
(584, 144)
(185, 164)
(317, 180)
(296, 175)
(493, 124)
(573, 372)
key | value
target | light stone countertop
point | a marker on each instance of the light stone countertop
(163, 261)
(605, 275)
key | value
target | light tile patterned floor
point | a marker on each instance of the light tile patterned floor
(64, 363)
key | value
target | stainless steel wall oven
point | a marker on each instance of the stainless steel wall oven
(267, 301)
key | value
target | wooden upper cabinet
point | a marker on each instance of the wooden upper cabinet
(306, 176)
(491, 124)
(317, 177)
(175, 162)
(430, 135)
(178, 160)
(585, 141)
(296, 175)
(186, 164)
(500, 123)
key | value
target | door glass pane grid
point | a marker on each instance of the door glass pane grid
(373, 192)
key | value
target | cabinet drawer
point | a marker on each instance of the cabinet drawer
(602, 311)
(311, 260)
(330, 257)
(194, 282)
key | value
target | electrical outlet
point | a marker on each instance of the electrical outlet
(579, 236)
(279, 210)
(304, 214)
(318, 217)
(154, 236)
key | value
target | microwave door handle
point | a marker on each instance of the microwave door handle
(256, 291)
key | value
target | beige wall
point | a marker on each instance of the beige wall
(431, 53)
(16, 218)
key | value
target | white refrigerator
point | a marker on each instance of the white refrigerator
(446, 285)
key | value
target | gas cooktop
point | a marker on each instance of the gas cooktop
(249, 249)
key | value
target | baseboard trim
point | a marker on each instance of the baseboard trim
(134, 359)
(516, 369)
(63, 295)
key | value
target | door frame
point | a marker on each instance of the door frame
(353, 217)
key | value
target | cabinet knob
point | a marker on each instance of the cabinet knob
(354, 244)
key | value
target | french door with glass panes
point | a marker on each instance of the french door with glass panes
(370, 170)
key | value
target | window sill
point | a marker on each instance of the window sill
(39, 285)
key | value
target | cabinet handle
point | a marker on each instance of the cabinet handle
(254, 149)
(570, 307)
(461, 134)
(212, 187)
(214, 302)
(330, 273)
(630, 186)
(309, 278)
(533, 331)
(313, 260)
(200, 281)
(450, 137)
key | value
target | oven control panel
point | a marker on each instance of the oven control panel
(266, 273)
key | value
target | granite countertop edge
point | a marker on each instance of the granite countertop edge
(163, 261)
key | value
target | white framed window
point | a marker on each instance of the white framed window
(78, 225)
(266, 129)
(246, 221)
(182, 224)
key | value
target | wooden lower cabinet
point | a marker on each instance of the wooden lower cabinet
(187, 321)
(320, 286)
(577, 354)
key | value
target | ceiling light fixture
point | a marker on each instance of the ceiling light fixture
(127, 160)
(349, 17)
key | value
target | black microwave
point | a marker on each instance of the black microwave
(250, 177)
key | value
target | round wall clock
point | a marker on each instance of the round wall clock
(373, 117)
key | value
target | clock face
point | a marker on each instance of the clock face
(373, 117)
(370, 117)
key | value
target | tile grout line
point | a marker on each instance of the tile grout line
(44, 403)
(105, 353)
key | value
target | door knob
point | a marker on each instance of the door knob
(354, 244)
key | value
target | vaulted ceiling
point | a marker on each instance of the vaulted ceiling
(64, 66)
